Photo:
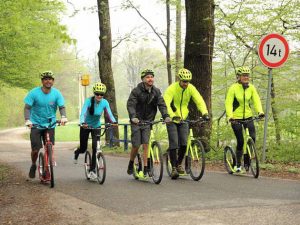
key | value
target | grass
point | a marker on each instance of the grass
(3, 173)
(294, 170)
(67, 133)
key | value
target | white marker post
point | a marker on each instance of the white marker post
(273, 51)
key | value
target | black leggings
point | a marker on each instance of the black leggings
(84, 137)
(237, 129)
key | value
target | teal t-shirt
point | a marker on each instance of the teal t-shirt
(44, 106)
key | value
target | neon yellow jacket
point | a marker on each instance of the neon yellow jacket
(238, 101)
(177, 100)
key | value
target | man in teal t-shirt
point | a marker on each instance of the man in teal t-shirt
(41, 104)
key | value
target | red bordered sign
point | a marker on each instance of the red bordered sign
(273, 50)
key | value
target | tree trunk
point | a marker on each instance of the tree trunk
(178, 63)
(199, 42)
(168, 57)
(275, 114)
(104, 55)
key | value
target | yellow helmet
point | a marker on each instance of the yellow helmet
(184, 74)
(242, 70)
(99, 88)
(146, 72)
(47, 74)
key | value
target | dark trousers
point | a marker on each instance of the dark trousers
(84, 137)
(177, 134)
(238, 131)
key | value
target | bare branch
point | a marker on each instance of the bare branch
(157, 34)
(120, 40)
(75, 11)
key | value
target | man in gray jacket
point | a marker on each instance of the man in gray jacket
(142, 105)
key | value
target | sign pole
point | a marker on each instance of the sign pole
(273, 51)
(267, 114)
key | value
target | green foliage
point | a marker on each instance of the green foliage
(11, 105)
(29, 36)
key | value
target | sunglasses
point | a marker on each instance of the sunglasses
(185, 81)
(48, 78)
(98, 94)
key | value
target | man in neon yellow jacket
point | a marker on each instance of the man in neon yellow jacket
(238, 107)
(177, 98)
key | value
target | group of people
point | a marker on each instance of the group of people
(41, 105)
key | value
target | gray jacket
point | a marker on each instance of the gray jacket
(143, 104)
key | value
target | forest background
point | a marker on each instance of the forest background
(33, 38)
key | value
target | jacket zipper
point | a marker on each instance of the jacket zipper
(244, 105)
(181, 103)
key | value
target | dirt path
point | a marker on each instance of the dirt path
(25, 202)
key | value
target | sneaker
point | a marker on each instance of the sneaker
(180, 170)
(75, 159)
(32, 171)
(237, 169)
(92, 175)
(130, 168)
(174, 174)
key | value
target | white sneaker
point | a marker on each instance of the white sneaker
(75, 161)
(92, 175)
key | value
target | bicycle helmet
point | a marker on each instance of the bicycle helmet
(146, 72)
(242, 70)
(99, 88)
(47, 74)
(184, 74)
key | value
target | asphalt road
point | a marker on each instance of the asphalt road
(218, 198)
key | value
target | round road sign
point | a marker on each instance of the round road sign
(273, 50)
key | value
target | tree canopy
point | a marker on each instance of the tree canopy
(30, 35)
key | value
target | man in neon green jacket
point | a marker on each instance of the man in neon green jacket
(177, 98)
(238, 107)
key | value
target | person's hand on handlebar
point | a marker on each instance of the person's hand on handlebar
(114, 124)
(135, 120)
(261, 115)
(168, 120)
(176, 119)
(231, 120)
(206, 117)
(63, 120)
(28, 123)
(84, 125)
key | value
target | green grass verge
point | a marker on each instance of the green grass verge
(67, 133)
(4, 170)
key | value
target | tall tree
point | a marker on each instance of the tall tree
(199, 42)
(178, 55)
(104, 55)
